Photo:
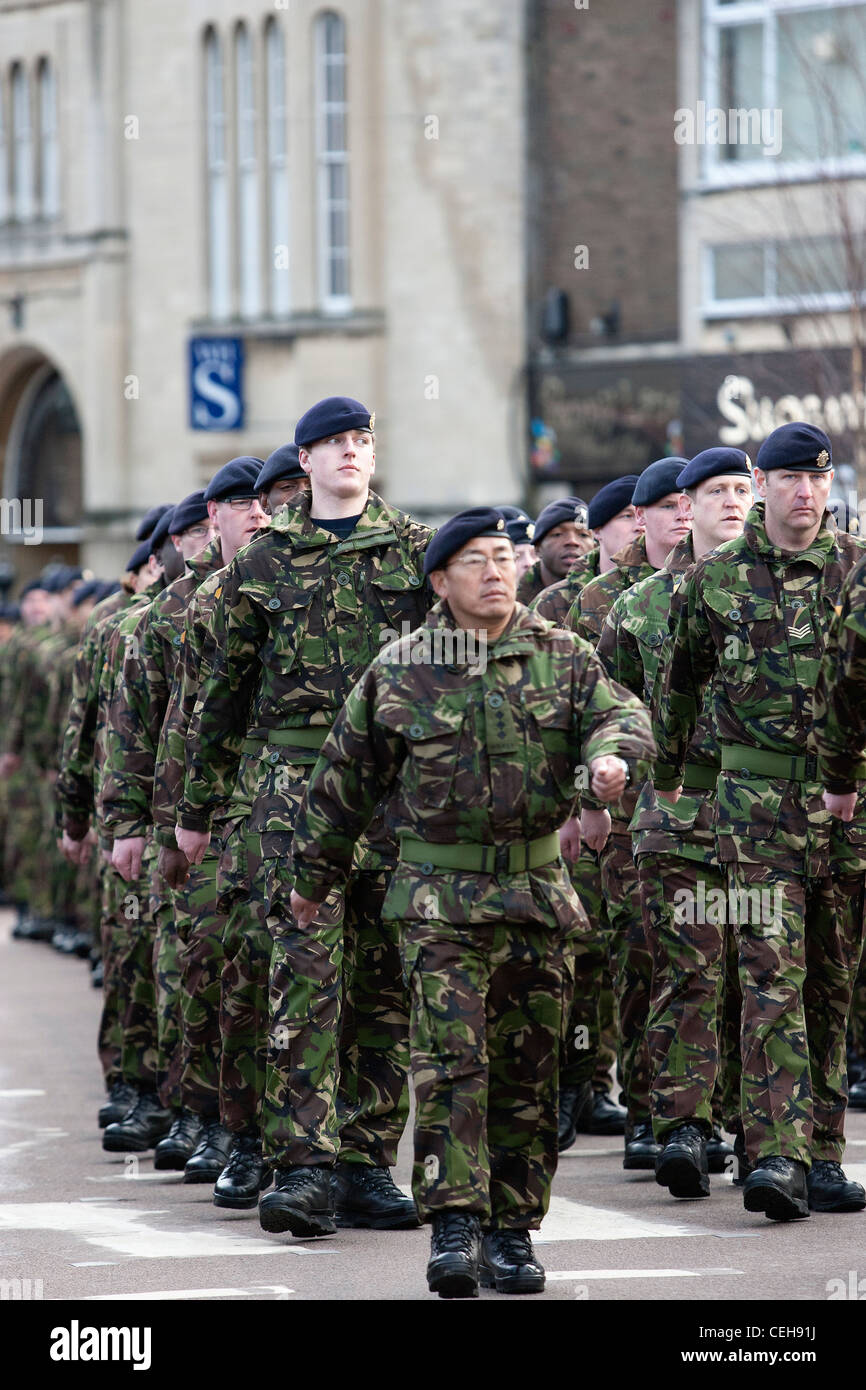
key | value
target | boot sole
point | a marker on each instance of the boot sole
(114, 1145)
(453, 1282)
(777, 1205)
(639, 1163)
(852, 1204)
(238, 1203)
(682, 1179)
(511, 1283)
(112, 1119)
(276, 1220)
(170, 1162)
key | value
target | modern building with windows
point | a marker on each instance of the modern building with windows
(212, 214)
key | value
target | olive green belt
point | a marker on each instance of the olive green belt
(759, 762)
(481, 859)
(310, 736)
(700, 776)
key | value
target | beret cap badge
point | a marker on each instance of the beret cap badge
(823, 458)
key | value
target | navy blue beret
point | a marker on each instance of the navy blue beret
(32, 585)
(802, 448)
(713, 463)
(610, 500)
(465, 526)
(282, 463)
(10, 612)
(331, 416)
(658, 480)
(107, 588)
(237, 478)
(161, 531)
(59, 577)
(139, 556)
(188, 513)
(555, 513)
(520, 527)
(90, 589)
(149, 520)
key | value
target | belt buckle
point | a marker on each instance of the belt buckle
(501, 859)
(811, 767)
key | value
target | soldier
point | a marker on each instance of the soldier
(299, 615)
(662, 509)
(613, 521)
(479, 761)
(560, 538)
(675, 853)
(282, 479)
(521, 533)
(753, 619)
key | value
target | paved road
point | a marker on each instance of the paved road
(90, 1225)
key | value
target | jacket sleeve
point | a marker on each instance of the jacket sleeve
(839, 708)
(678, 696)
(611, 720)
(132, 728)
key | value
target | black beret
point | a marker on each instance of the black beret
(282, 463)
(610, 500)
(465, 526)
(58, 577)
(149, 520)
(331, 416)
(139, 556)
(90, 589)
(187, 513)
(520, 527)
(161, 531)
(802, 448)
(658, 480)
(237, 478)
(555, 513)
(32, 585)
(10, 612)
(713, 463)
(107, 588)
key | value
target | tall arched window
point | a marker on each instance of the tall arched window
(249, 227)
(278, 171)
(22, 146)
(333, 163)
(4, 158)
(49, 162)
(219, 263)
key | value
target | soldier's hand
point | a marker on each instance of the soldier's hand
(174, 866)
(569, 839)
(595, 828)
(841, 806)
(75, 851)
(126, 857)
(303, 910)
(9, 763)
(673, 796)
(609, 775)
(194, 843)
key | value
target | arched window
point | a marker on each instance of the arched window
(22, 146)
(49, 162)
(249, 228)
(278, 171)
(219, 265)
(333, 163)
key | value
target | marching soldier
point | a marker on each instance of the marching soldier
(560, 538)
(521, 533)
(613, 521)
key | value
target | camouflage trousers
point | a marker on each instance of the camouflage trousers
(338, 1053)
(166, 987)
(110, 1034)
(201, 956)
(133, 933)
(799, 942)
(857, 1022)
(631, 970)
(695, 1004)
(487, 1010)
(589, 1051)
(29, 877)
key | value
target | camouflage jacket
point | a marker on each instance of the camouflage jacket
(140, 699)
(555, 602)
(753, 619)
(840, 695)
(297, 618)
(634, 647)
(531, 583)
(483, 755)
(26, 687)
(596, 598)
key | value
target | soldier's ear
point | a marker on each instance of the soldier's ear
(439, 582)
(760, 480)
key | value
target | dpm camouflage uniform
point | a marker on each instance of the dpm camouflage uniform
(753, 620)
(479, 766)
(693, 1017)
(298, 617)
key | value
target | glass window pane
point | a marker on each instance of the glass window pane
(337, 183)
(738, 272)
(813, 265)
(821, 65)
(741, 86)
(335, 132)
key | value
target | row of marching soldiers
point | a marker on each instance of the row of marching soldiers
(201, 866)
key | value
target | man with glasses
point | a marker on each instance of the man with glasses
(478, 759)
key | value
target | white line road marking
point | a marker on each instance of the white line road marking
(122, 1231)
(590, 1153)
(151, 1175)
(562, 1274)
(21, 1144)
(92, 1264)
(15, 1095)
(278, 1292)
(568, 1220)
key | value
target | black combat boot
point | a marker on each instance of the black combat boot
(830, 1190)
(140, 1129)
(681, 1166)
(179, 1144)
(604, 1117)
(244, 1176)
(720, 1154)
(509, 1264)
(302, 1202)
(365, 1196)
(121, 1099)
(455, 1242)
(208, 1159)
(641, 1150)
(742, 1166)
(857, 1096)
(575, 1105)
(777, 1187)
(97, 975)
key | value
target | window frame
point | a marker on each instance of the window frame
(217, 173)
(329, 302)
(278, 191)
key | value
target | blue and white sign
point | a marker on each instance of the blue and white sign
(216, 383)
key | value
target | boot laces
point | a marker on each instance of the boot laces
(828, 1169)
(246, 1150)
(515, 1247)
(455, 1231)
